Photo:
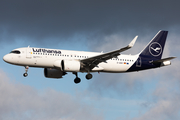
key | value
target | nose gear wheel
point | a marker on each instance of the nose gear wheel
(25, 74)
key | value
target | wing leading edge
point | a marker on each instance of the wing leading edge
(91, 62)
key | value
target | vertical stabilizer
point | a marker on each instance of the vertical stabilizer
(156, 46)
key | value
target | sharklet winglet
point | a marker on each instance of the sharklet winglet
(131, 44)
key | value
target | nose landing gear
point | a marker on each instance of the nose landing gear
(26, 69)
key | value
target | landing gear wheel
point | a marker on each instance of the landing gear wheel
(89, 76)
(26, 70)
(77, 80)
(25, 74)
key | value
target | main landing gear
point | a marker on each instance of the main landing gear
(26, 69)
(88, 76)
(78, 80)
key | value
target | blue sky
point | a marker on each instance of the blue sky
(89, 26)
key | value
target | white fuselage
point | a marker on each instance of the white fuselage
(45, 58)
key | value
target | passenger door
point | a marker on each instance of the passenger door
(28, 53)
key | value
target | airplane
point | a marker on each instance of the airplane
(57, 63)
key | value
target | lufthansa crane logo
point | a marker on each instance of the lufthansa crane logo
(155, 49)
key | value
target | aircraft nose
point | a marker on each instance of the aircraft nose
(6, 58)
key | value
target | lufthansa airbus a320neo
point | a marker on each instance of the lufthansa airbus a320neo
(57, 63)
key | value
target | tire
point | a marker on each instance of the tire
(77, 80)
(89, 76)
(25, 74)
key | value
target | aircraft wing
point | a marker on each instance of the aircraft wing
(91, 62)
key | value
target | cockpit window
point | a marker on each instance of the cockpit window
(15, 52)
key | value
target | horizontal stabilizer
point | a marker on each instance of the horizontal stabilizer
(163, 60)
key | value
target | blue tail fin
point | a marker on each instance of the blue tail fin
(156, 46)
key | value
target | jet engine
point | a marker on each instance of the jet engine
(53, 73)
(70, 65)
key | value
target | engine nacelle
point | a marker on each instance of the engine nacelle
(57, 64)
(165, 63)
(53, 73)
(70, 65)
